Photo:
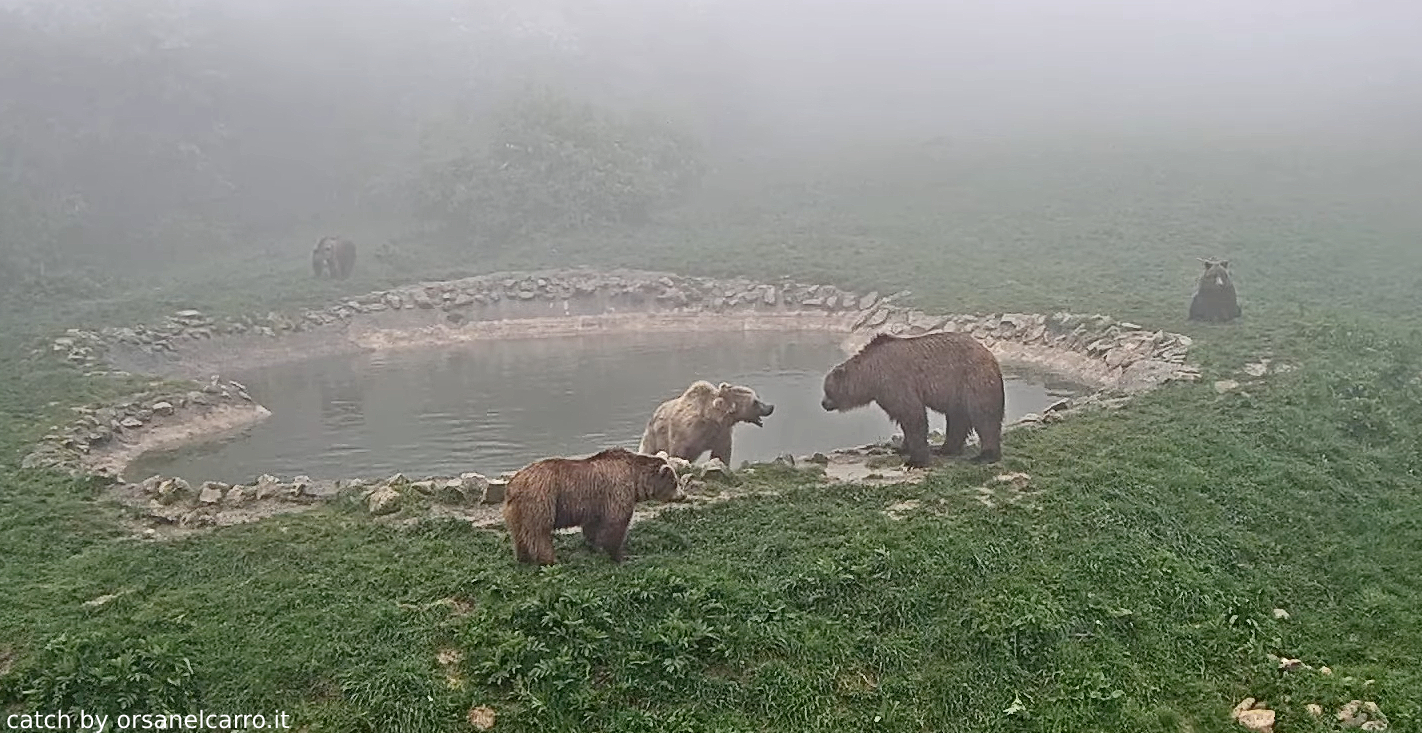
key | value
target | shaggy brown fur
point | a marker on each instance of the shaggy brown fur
(702, 419)
(1215, 299)
(597, 493)
(949, 373)
(334, 256)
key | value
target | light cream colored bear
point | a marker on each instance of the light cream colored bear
(701, 419)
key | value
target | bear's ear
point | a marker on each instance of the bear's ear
(724, 386)
(1224, 264)
(718, 404)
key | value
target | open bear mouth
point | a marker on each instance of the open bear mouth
(756, 422)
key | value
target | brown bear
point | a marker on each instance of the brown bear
(597, 493)
(334, 256)
(702, 419)
(949, 373)
(1214, 298)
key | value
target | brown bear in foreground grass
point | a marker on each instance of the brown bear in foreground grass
(1214, 298)
(949, 373)
(702, 419)
(597, 493)
(335, 256)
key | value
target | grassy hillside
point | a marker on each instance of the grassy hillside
(1134, 589)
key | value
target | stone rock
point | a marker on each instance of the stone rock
(237, 495)
(451, 491)
(211, 492)
(268, 486)
(1225, 386)
(131, 422)
(716, 470)
(1253, 715)
(1314, 709)
(494, 490)
(150, 485)
(481, 717)
(785, 459)
(384, 500)
(173, 490)
(1018, 480)
(1281, 614)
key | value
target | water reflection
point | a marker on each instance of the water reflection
(498, 405)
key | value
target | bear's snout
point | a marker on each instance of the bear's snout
(827, 404)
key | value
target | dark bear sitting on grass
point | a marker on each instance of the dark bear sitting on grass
(1215, 298)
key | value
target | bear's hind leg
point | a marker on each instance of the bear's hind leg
(521, 553)
(542, 548)
(956, 434)
(989, 441)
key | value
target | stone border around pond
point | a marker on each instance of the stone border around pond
(1094, 350)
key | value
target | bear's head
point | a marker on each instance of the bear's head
(1216, 275)
(845, 387)
(660, 478)
(735, 403)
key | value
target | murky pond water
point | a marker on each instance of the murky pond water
(497, 406)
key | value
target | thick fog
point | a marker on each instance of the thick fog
(167, 122)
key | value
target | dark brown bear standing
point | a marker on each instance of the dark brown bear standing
(949, 373)
(1214, 294)
(597, 493)
(333, 256)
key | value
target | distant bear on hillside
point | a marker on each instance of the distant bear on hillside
(702, 419)
(949, 373)
(597, 493)
(333, 256)
(1215, 299)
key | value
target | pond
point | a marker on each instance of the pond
(498, 405)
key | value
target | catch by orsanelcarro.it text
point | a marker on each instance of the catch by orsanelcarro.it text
(83, 720)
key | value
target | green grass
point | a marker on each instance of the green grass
(1134, 590)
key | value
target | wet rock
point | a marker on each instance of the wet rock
(172, 490)
(494, 491)
(150, 485)
(268, 487)
(716, 470)
(451, 491)
(383, 500)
